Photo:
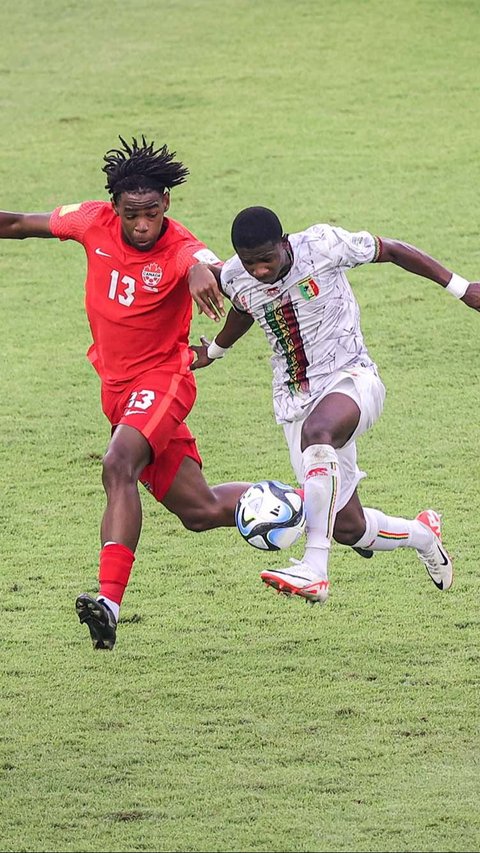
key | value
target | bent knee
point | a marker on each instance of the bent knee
(348, 533)
(202, 518)
(117, 466)
(316, 434)
(195, 523)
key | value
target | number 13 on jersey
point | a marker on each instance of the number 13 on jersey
(123, 294)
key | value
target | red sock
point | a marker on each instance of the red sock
(116, 563)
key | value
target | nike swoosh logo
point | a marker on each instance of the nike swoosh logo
(103, 254)
(443, 556)
(439, 584)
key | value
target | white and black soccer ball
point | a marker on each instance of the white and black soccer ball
(270, 515)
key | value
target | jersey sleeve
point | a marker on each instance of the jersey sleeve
(349, 249)
(227, 276)
(194, 253)
(71, 221)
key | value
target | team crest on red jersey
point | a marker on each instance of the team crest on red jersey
(151, 276)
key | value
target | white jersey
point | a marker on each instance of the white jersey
(310, 317)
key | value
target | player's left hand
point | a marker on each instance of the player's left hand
(206, 293)
(202, 359)
(471, 297)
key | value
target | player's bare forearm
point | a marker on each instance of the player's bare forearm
(413, 260)
(236, 325)
(418, 262)
(204, 281)
(18, 226)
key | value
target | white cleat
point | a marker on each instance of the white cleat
(298, 580)
(436, 559)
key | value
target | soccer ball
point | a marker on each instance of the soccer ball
(270, 515)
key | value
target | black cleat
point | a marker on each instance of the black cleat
(100, 620)
(364, 552)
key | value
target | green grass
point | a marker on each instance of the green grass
(229, 718)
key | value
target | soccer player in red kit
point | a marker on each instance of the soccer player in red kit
(139, 267)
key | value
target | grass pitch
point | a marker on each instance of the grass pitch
(228, 718)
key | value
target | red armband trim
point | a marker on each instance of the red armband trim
(378, 249)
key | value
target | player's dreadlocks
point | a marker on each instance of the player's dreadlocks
(140, 168)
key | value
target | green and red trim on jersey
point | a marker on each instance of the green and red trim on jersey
(282, 319)
(378, 249)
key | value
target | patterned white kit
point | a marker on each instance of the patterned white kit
(312, 322)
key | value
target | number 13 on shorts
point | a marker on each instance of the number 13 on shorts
(139, 401)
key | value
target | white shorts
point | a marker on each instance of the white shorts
(368, 391)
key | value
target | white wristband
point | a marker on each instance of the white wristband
(216, 351)
(457, 286)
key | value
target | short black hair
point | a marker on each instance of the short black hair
(140, 168)
(255, 226)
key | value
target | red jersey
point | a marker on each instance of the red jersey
(138, 303)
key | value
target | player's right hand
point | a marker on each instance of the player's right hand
(471, 297)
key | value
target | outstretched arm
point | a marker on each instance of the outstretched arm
(236, 325)
(418, 262)
(17, 226)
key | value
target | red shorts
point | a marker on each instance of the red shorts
(157, 404)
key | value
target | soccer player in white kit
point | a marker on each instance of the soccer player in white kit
(326, 388)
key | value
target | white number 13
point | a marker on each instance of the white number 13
(127, 297)
(141, 400)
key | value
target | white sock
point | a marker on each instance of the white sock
(321, 487)
(112, 605)
(385, 532)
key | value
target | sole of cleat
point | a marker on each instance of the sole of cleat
(91, 613)
(289, 590)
